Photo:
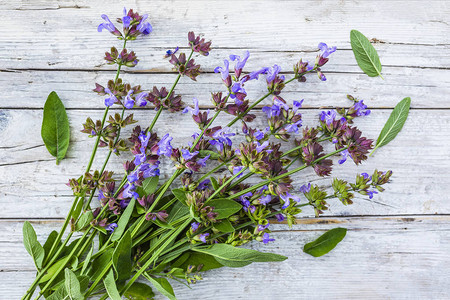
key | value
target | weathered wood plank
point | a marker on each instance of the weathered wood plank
(30, 89)
(29, 177)
(381, 258)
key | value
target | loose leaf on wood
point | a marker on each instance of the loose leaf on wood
(139, 291)
(149, 186)
(72, 285)
(224, 207)
(394, 124)
(123, 221)
(32, 245)
(163, 286)
(110, 285)
(325, 243)
(55, 129)
(122, 257)
(365, 54)
(180, 195)
(231, 256)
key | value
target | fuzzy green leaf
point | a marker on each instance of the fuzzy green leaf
(149, 186)
(394, 124)
(55, 129)
(208, 262)
(224, 226)
(122, 257)
(365, 54)
(87, 260)
(212, 154)
(163, 286)
(84, 220)
(234, 257)
(139, 291)
(110, 285)
(224, 207)
(72, 285)
(180, 195)
(50, 241)
(123, 221)
(325, 243)
(32, 245)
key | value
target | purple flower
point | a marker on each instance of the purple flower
(280, 217)
(305, 188)
(262, 227)
(110, 227)
(297, 105)
(240, 63)
(128, 191)
(225, 71)
(265, 199)
(293, 127)
(261, 147)
(108, 25)
(203, 237)
(149, 170)
(188, 155)
(321, 76)
(126, 20)
(345, 154)
(326, 51)
(140, 158)
(112, 98)
(129, 102)
(254, 75)
(170, 52)
(202, 162)
(124, 203)
(236, 170)
(165, 148)
(272, 73)
(204, 185)
(195, 226)
(261, 134)
(328, 117)
(194, 111)
(366, 176)
(140, 99)
(370, 193)
(359, 107)
(237, 88)
(144, 27)
(287, 199)
(266, 238)
(221, 137)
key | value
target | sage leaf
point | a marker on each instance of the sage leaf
(72, 285)
(121, 258)
(224, 207)
(325, 243)
(180, 195)
(55, 267)
(55, 129)
(110, 285)
(212, 154)
(123, 221)
(87, 260)
(163, 286)
(178, 211)
(149, 186)
(59, 294)
(50, 241)
(234, 257)
(365, 54)
(196, 259)
(394, 124)
(84, 220)
(214, 183)
(139, 291)
(224, 226)
(32, 245)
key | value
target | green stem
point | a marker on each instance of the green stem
(225, 184)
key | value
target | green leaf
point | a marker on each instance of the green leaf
(180, 195)
(234, 257)
(325, 243)
(212, 154)
(224, 207)
(87, 260)
(110, 285)
(163, 286)
(365, 54)
(84, 220)
(224, 226)
(52, 270)
(149, 186)
(100, 263)
(59, 294)
(214, 183)
(178, 211)
(76, 213)
(72, 285)
(122, 257)
(55, 129)
(196, 259)
(139, 291)
(394, 124)
(123, 221)
(32, 245)
(50, 241)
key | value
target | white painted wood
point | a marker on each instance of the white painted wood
(398, 243)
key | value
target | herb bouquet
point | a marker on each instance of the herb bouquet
(139, 227)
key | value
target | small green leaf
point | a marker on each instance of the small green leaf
(224, 207)
(394, 124)
(72, 285)
(110, 285)
(32, 245)
(139, 291)
(224, 226)
(122, 257)
(84, 220)
(231, 256)
(149, 186)
(180, 195)
(55, 129)
(214, 183)
(365, 54)
(123, 221)
(76, 213)
(212, 155)
(163, 286)
(87, 260)
(325, 243)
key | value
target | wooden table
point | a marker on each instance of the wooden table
(398, 243)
